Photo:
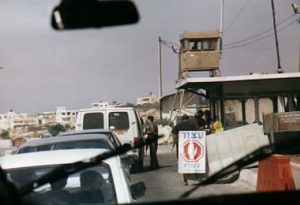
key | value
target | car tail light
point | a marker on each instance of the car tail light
(136, 141)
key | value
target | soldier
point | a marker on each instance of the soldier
(187, 124)
(152, 141)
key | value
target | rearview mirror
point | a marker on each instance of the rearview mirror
(78, 14)
(138, 190)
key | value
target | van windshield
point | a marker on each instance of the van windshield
(118, 121)
(93, 121)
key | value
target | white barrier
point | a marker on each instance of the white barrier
(165, 132)
(230, 145)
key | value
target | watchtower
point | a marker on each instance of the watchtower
(200, 51)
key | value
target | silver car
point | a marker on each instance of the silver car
(86, 139)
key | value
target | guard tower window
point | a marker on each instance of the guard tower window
(185, 45)
(195, 45)
(199, 45)
(209, 45)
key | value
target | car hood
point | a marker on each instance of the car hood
(45, 158)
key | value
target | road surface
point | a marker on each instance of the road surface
(165, 183)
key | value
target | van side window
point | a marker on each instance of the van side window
(93, 121)
(118, 121)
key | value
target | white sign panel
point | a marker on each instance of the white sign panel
(192, 152)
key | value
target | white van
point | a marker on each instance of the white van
(123, 121)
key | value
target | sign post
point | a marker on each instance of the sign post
(192, 152)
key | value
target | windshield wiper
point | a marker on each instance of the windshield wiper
(285, 144)
(62, 171)
(282, 143)
(254, 156)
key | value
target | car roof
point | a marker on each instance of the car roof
(87, 131)
(65, 138)
(106, 108)
(44, 158)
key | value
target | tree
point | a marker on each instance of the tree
(5, 134)
(56, 129)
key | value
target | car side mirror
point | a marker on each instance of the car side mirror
(78, 14)
(138, 190)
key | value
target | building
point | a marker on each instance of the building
(64, 116)
(245, 99)
(148, 99)
(101, 104)
(180, 103)
(11, 120)
(47, 118)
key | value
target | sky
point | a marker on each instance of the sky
(44, 68)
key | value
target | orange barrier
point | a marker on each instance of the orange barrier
(275, 174)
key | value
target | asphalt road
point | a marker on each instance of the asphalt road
(166, 183)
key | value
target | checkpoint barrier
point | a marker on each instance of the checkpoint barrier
(230, 145)
(274, 174)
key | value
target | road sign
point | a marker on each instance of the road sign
(192, 152)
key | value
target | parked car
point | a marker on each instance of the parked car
(74, 139)
(123, 121)
(85, 139)
(105, 182)
(67, 142)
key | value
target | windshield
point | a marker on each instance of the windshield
(80, 144)
(90, 186)
(196, 86)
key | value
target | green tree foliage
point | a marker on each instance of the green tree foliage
(5, 134)
(56, 129)
(68, 127)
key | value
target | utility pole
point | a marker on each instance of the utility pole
(296, 10)
(159, 67)
(221, 24)
(160, 76)
(279, 68)
(173, 47)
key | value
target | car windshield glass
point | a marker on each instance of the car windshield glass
(106, 134)
(89, 186)
(194, 86)
(80, 144)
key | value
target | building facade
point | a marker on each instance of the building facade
(148, 99)
(64, 116)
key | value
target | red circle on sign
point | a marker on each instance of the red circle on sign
(192, 150)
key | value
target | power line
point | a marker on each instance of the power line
(259, 39)
(174, 46)
(238, 14)
(259, 34)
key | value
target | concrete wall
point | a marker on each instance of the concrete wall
(231, 145)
